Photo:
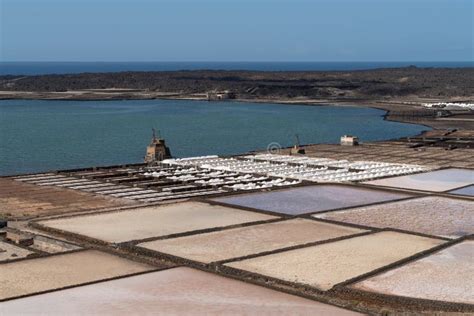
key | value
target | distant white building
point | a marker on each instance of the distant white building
(349, 140)
(442, 105)
(220, 95)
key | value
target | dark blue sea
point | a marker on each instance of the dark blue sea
(41, 135)
(38, 68)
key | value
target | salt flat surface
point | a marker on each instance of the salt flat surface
(326, 265)
(42, 274)
(464, 191)
(11, 252)
(232, 243)
(154, 221)
(438, 216)
(437, 181)
(447, 275)
(178, 291)
(311, 199)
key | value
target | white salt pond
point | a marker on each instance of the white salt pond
(437, 181)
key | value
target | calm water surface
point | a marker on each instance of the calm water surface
(46, 135)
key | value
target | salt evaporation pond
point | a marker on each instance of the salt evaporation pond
(56, 272)
(437, 181)
(154, 221)
(244, 241)
(431, 215)
(464, 191)
(323, 266)
(311, 199)
(443, 276)
(178, 291)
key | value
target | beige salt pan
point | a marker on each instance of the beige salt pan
(447, 275)
(326, 265)
(48, 273)
(238, 242)
(154, 221)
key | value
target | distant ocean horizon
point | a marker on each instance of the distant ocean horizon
(42, 68)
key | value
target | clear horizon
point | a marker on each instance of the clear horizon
(239, 61)
(236, 31)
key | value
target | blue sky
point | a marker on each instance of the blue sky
(231, 30)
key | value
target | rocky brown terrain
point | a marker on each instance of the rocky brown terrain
(368, 84)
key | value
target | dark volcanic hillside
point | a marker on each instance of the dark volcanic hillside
(423, 82)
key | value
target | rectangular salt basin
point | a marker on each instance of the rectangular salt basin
(326, 265)
(437, 181)
(440, 216)
(239, 242)
(145, 222)
(447, 275)
(311, 199)
(464, 191)
(54, 272)
(178, 291)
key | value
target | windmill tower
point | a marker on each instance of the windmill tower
(157, 150)
(297, 149)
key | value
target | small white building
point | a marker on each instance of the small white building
(220, 95)
(349, 140)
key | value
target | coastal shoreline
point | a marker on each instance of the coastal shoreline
(394, 108)
(399, 91)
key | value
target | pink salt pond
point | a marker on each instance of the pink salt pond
(178, 291)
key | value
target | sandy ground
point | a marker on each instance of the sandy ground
(248, 240)
(311, 199)
(35, 275)
(429, 215)
(18, 199)
(9, 252)
(447, 275)
(326, 265)
(178, 291)
(157, 221)
(464, 191)
(436, 181)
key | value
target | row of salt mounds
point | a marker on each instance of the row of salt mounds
(215, 176)
(442, 105)
(302, 168)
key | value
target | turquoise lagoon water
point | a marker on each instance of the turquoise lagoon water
(48, 135)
